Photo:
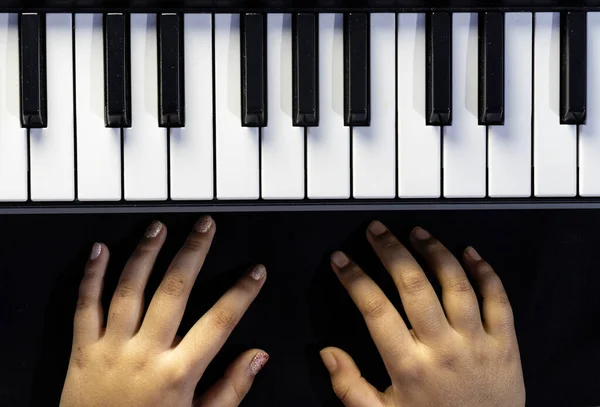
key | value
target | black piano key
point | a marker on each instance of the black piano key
(117, 73)
(32, 66)
(491, 68)
(170, 71)
(357, 86)
(439, 69)
(573, 67)
(254, 69)
(305, 55)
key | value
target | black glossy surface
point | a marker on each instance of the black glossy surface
(171, 81)
(439, 69)
(305, 66)
(32, 70)
(573, 67)
(253, 32)
(117, 73)
(491, 68)
(357, 82)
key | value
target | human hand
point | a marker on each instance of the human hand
(133, 362)
(450, 357)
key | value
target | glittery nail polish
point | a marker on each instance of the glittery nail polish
(96, 250)
(258, 272)
(203, 224)
(258, 362)
(154, 229)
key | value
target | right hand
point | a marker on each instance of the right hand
(450, 357)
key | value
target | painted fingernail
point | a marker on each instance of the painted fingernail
(96, 250)
(420, 234)
(377, 228)
(329, 361)
(154, 229)
(340, 259)
(258, 362)
(258, 272)
(203, 224)
(472, 253)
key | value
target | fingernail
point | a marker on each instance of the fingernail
(258, 362)
(258, 272)
(203, 224)
(377, 228)
(340, 259)
(96, 250)
(472, 253)
(420, 234)
(154, 229)
(329, 361)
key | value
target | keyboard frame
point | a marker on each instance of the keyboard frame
(272, 6)
(304, 205)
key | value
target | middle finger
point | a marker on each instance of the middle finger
(420, 302)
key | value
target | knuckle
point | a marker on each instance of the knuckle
(125, 289)
(460, 285)
(411, 370)
(84, 302)
(341, 390)
(351, 272)
(485, 270)
(375, 307)
(174, 284)
(388, 241)
(194, 245)
(240, 389)
(414, 282)
(224, 319)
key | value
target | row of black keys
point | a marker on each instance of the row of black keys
(357, 109)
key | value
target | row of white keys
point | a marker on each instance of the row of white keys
(282, 145)
(419, 151)
(509, 148)
(52, 149)
(554, 144)
(374, 147)
(98, 147)
(589, 134)
(13, 139)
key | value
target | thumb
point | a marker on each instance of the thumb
(348, 384)
(230, 390)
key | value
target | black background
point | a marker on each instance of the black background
(548, 260)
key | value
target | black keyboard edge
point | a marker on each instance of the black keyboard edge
(321, 6)
(213, 206)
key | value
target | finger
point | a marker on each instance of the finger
(348, 384)
(496, 309)
(89, 316)
(231, 389)
(168, 304)
(387, 328)
(419, 299)
(458, 296)
(210, 332)
(127, 304)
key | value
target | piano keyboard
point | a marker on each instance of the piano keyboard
(114, 110)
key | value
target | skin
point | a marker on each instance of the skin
(135, 361)
(453, 355)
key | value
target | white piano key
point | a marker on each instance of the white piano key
(98, 147)
(191, 147)
(374, 147)
(52, 150)
(589, 134)
(554, 145)
(509, 149)
(282, 144)
(419, 145)
(328, 145)
(237, 147)
(464, 143)
(144, 144)
(13, 139)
